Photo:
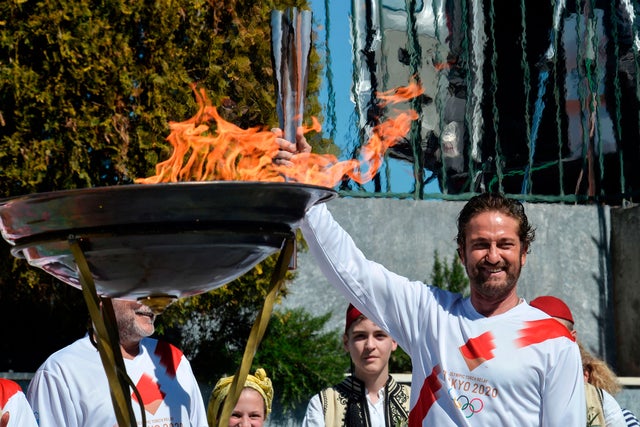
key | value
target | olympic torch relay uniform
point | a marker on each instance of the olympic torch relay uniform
(520, 368)
(13, 400)
(71, 388)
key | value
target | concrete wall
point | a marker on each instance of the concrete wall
(570, 258)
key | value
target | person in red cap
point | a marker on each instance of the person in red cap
(557, 309)
(489, 359)
(600, 381)
(370, 396)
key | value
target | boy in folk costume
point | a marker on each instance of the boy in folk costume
(370, 396)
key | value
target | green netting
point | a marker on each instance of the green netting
(543, 96)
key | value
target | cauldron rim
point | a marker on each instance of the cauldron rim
(110, 221)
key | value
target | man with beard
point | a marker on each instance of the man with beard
(486, 360)
(71, 388)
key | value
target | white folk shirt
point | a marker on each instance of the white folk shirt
(376, 410)
(520, 368)
(71, 388)
(315, 416)
(13, 400)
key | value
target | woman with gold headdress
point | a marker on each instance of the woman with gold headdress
(253, 406)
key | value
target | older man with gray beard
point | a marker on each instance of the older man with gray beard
(71, 388)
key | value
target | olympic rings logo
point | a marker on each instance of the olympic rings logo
(469, 407)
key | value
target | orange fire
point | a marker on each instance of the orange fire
(208, 148)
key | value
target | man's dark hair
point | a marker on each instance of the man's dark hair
(490, 202)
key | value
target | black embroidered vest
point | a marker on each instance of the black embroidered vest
(345, 404)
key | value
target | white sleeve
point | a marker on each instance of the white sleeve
(197, 412)
(630, 418)
(613, 415)
(20, 413)
(314, 417)
(386, 298)
(563, 399)
(51, 401)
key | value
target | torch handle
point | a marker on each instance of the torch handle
(290, 46)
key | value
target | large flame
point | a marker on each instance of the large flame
(208, 148)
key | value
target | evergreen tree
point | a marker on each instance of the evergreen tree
(450, 277)
(438, 275)
(300, 358)
(457, 276)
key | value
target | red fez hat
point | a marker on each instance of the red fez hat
(553, 306)
(352, 314)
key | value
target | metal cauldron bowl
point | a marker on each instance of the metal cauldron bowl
(148, 240)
